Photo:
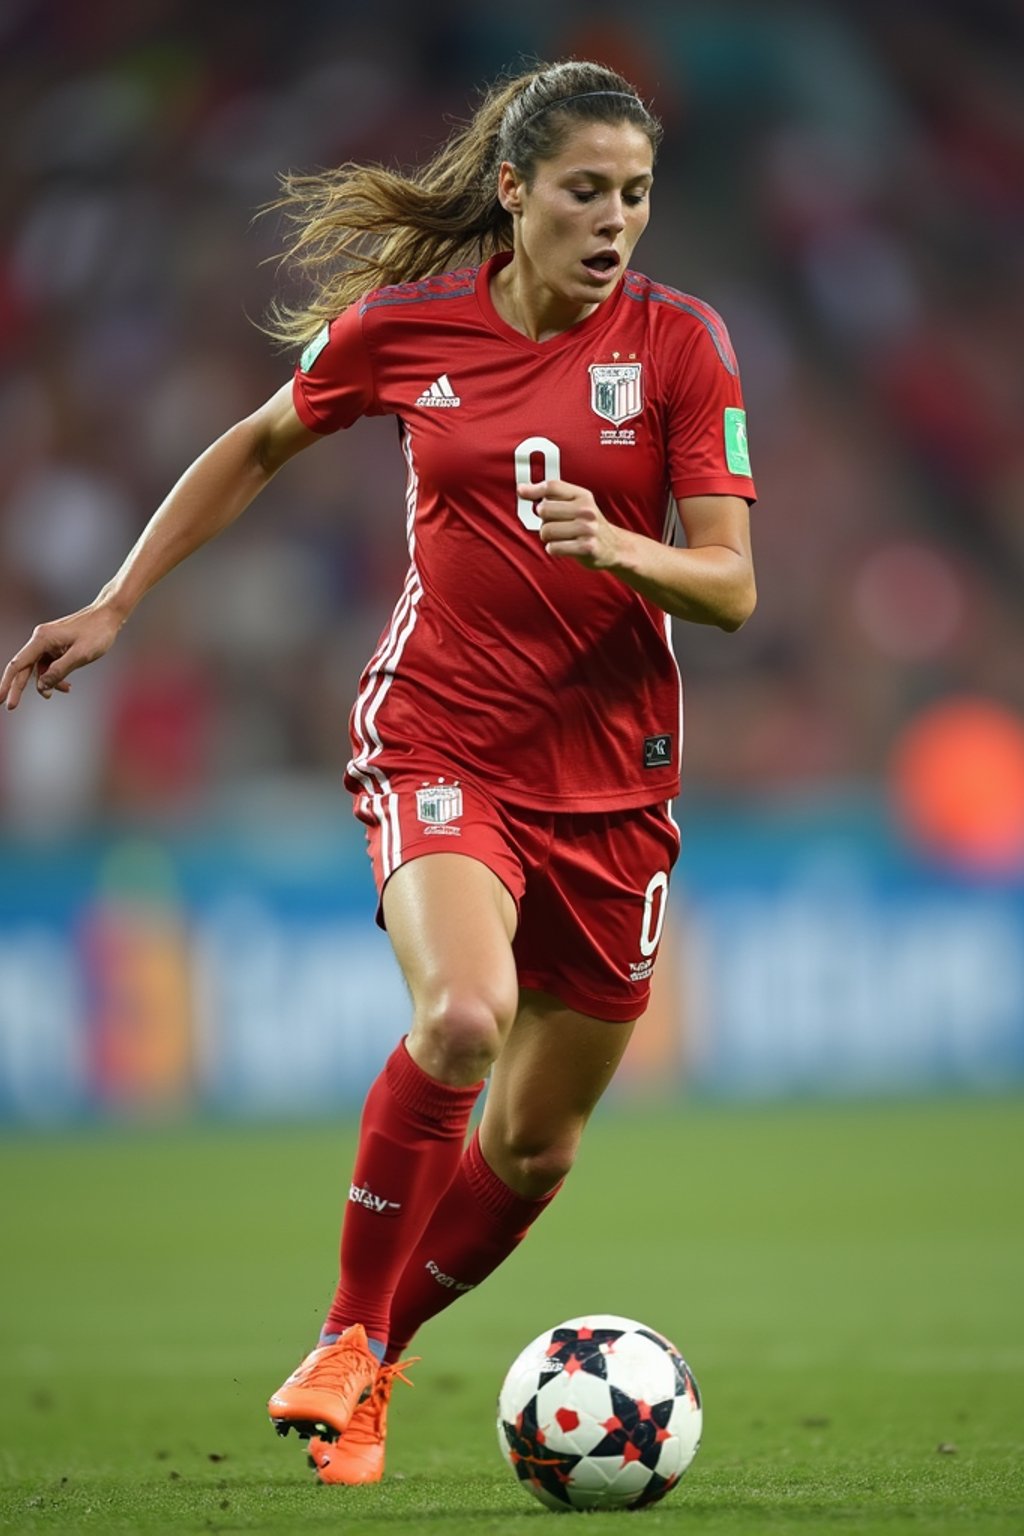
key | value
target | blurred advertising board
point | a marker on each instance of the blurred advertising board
(150, 976)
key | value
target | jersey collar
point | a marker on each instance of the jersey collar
(595, 321)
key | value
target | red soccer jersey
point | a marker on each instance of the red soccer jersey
(553, 685)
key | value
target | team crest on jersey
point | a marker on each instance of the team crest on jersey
(438, 804)
(616, 391)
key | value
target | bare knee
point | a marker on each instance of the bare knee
(457, 1034)
(534, 1165)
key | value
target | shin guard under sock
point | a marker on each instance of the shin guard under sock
(411, 1140)
(478, 1222)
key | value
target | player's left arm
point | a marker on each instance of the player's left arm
(710, 581)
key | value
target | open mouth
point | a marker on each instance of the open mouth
(602, 265)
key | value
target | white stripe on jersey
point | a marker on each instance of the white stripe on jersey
(672, 526)
(679, 683)
(412, 486)
(378, 679)
(401, 629)
(379, 794)
(367, 740)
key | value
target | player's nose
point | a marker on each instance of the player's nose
(613, 217)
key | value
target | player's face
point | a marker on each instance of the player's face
(576, 224)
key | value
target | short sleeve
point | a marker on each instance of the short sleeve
(707, 421)
(333, 384)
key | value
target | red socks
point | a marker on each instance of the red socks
(426, 1221)
(410, 1143)
(477, 1224)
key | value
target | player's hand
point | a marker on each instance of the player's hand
(572, 524)
(55, 649)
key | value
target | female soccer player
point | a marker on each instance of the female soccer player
(517, 734)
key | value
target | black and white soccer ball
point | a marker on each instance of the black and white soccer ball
(599, 1413)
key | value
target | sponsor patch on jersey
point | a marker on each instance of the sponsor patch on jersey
(616, 391)
(438, 804)
(314, 348)
(658, 751)
(737, 454)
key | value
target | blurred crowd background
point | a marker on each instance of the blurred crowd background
(184, 902)
(845, 183)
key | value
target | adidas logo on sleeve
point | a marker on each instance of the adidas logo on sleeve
(440, 394)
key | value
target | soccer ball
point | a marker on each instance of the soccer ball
(599, 1413)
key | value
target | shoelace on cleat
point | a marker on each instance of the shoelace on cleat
(367, 1423)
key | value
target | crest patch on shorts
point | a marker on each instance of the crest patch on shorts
(437, 804)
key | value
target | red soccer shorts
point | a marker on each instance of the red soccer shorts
(590, 889)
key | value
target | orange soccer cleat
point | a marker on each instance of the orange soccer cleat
(321, 1395)
(358, 1456)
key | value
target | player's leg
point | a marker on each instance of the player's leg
(589, 936)
(451, 921)
(553, 1069)
(585, 950)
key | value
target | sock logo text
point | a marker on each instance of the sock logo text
(449, 1281)
(362, 1194)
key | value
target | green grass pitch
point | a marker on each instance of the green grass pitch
(847, 1282)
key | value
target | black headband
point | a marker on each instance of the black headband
(564, 101)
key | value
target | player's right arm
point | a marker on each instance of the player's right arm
(209, 496)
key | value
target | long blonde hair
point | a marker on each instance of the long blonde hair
(361, 227)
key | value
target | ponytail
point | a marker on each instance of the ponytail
(361, 227)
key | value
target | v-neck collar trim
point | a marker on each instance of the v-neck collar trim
(595, 321)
